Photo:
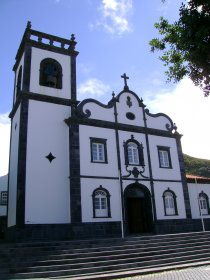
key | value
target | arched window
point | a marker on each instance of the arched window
(133, 152)
(204, 203)
(169, 201)
(50, 73)
(101, 203)
(19, 80)
(133, 155)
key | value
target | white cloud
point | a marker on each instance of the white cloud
(189, 109)
(92, 88)
(4, 143)
(114, 16)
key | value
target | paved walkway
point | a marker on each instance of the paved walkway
(194, 273)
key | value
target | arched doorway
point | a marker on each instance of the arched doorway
(138, 209)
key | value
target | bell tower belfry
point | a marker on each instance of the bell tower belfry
(44, 93)
(46, 64)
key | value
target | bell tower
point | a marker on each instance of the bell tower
(46, 64)
(44, 93)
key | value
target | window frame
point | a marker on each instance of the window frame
(2, 200)
(139, 150)
(107, 196)
(173, 196)
(167, 150)
(59, 76)
(98, 141)
(206, 198)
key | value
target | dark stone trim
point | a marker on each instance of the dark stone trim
(75, 184)
(40, 97)
(21, 165)
(73, 79)
(22, 149)
(152, 180)
(180, 225)
(3, 226)
(99, 177)
(74, 231)
(147, 133)
(98, 141)
(140, 152)
(131, 179)
(123, 127)
(140, 101)
(36, 41)
(184, 180)
(19, 80)
(170, 127)
(91, 100)
(166, 149)
(174, 199)
(27, 69)
(10, 145)
(119, 162)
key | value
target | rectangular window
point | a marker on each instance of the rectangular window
(98, 150)
(164, 157)
(3, 200)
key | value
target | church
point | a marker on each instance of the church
(83, 169)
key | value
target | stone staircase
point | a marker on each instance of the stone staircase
(103, 258)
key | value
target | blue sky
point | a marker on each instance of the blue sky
(112, 38)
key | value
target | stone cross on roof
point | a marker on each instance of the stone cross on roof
(125, 81)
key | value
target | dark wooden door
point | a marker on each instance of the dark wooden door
(135, 211)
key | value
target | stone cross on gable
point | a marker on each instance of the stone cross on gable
(125, 81)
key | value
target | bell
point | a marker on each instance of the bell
(51, 81)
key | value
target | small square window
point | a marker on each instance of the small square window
(98, 150)
(3, 200)
(164, 157)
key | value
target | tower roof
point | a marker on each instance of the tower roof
(45, 41)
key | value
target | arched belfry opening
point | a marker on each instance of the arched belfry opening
(138, 209)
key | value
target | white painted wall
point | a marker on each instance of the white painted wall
(87, 188)
(123, 108)
(164, 173)
(37, 56)
(12, 195)
(176, 187)
(87, 167)
(3, 188)
(98, 112)
(194, 191)
(47, 184)
(159, 122)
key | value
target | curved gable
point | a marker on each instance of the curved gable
(94, 109)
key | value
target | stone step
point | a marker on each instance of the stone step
(107, 255)
(123, 244)
(99, 242)
(110, 269)
(100, 257)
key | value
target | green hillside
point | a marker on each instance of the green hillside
(197, 166)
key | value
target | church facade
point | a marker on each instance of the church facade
(87, 169)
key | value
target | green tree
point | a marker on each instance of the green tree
(185, 44)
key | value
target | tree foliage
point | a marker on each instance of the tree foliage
(185, 44)
(197, 166)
